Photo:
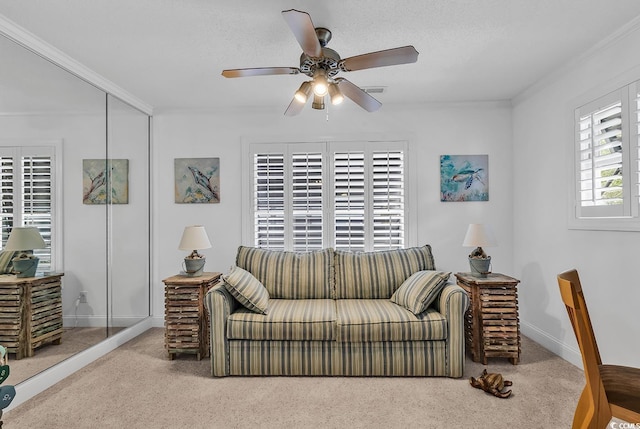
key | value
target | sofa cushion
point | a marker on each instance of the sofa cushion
(299, 319)
(362, 320)
(247, 290)
(376, 275)
(290, 275)
(418, 291)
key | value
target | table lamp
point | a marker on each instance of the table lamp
(24, 239)
(479, 235)
(194, 238)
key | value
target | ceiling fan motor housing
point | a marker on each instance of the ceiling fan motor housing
(328, 61)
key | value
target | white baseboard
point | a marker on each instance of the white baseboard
(99, 321)
(158, 322)
(551, 343)
(47, 378)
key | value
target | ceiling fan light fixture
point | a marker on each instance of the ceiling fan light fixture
(320, 83)
(303, 93)
(335, 94)
(318, 102)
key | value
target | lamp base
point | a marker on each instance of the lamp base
(193, 267)
(480, 267)
(25, 267)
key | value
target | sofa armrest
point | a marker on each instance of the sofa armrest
(220, 304)
(453, 303)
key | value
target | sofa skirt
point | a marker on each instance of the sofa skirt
(399, 358)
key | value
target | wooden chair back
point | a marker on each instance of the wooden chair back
(593, 408)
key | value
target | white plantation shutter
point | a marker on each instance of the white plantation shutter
(600, 157)
(388, 200)
(607, 158)
(363, 208)
(349, 200)
(269, 200)
(307, 201)
(27, 195)
(7, 196)
(36, 202)
(635, 148)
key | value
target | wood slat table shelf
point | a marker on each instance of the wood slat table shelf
(30, 313)
(185, 319)
(492, 326)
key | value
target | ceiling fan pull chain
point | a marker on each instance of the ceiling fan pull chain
(328, 112)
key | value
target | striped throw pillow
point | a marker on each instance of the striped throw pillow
(247, 290)
(418, 292)
(377, 275)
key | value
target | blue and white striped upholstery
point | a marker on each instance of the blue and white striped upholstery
(453, 303)
(290, 275)
(242, 345)
(418, 291)
(376, 275)
(288, 319)
(394, 358)
(370, 320)
(220, 304)
(247, 290)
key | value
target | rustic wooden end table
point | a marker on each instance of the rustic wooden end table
(492, 327)
(185, 319)
(31, 312)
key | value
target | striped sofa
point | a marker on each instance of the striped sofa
(330, 314)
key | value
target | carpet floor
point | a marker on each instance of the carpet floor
(137, 386)
(74, 340)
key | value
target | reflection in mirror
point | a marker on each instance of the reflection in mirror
(128, 216)
(53, 129)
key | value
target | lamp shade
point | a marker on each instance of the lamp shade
(478, 235)
(194, 238)
(25, 238)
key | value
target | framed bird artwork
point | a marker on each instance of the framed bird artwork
(97, 174)
(197, 180)
(464, 178)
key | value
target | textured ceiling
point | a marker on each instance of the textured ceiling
(170, 53)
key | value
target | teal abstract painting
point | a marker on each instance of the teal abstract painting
(105, 181)
(197, 180)
(464, 178)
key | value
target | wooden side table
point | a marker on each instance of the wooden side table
(492, 327)
(185, 319)
(30, 313)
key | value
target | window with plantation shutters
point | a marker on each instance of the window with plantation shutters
(27, 195)
(308, 196)
(607, 161)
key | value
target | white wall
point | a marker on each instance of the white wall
(84, 239)
(543, 245)
(475, 128)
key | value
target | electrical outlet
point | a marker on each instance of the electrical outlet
(83, 297)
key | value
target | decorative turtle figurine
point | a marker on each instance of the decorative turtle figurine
(492, 383)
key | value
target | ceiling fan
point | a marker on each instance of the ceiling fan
(323, 64)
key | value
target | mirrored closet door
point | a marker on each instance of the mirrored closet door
(75, 164)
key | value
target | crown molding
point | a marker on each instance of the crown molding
(30, 41)
(559, 73)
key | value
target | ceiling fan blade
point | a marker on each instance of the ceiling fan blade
(389, 57)
(358, 96)
(294, 108)
(302, 27)
(260, 71)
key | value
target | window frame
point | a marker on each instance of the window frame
(249, 148)
(627, 87)
(54, 149)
